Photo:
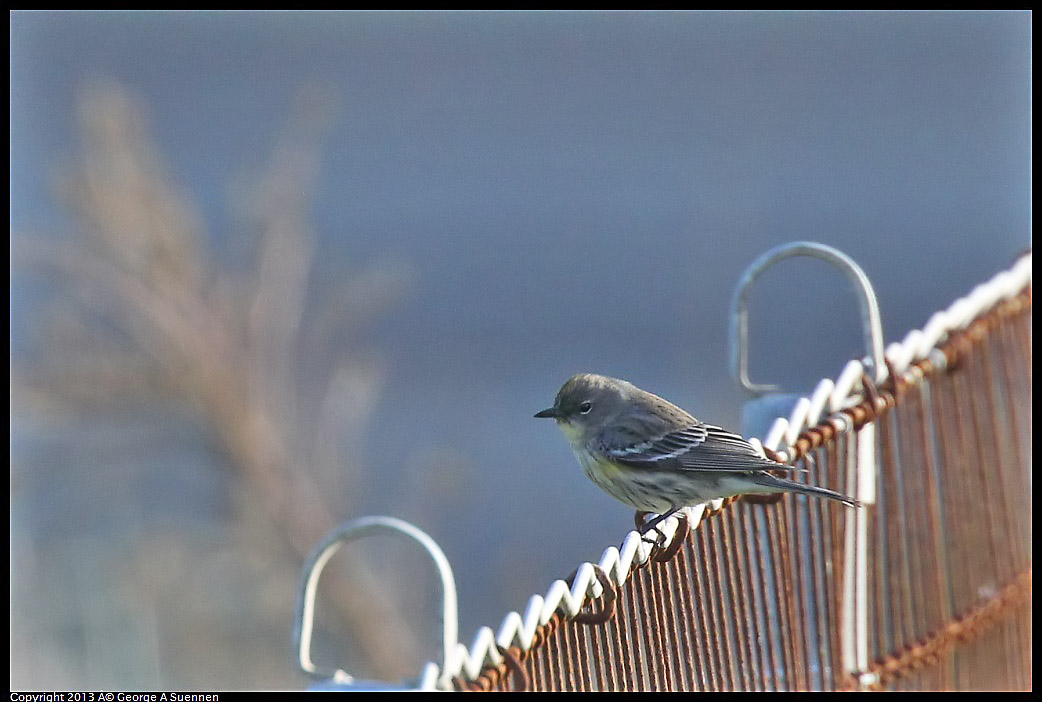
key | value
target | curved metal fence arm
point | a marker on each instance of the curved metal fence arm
(739, 327)
(319, 557)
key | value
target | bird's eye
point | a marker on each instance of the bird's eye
(585, 407)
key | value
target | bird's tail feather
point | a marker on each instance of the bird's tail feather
(782, 485)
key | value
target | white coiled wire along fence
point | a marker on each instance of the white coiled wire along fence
(926, 587)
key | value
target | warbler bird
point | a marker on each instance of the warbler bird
(651, 455)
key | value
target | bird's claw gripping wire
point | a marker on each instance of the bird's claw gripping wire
(644, 527)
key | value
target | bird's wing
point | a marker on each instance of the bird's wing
(696, 447)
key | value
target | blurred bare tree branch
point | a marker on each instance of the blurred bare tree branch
(155, 315)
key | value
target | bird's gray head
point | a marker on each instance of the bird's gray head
(587, 400)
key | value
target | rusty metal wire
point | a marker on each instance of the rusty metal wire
(753, 598)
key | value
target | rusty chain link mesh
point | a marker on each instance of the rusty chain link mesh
(752, 599)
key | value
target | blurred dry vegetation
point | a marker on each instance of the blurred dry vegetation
(145, 314)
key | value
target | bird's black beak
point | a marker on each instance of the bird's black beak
(552, 412)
